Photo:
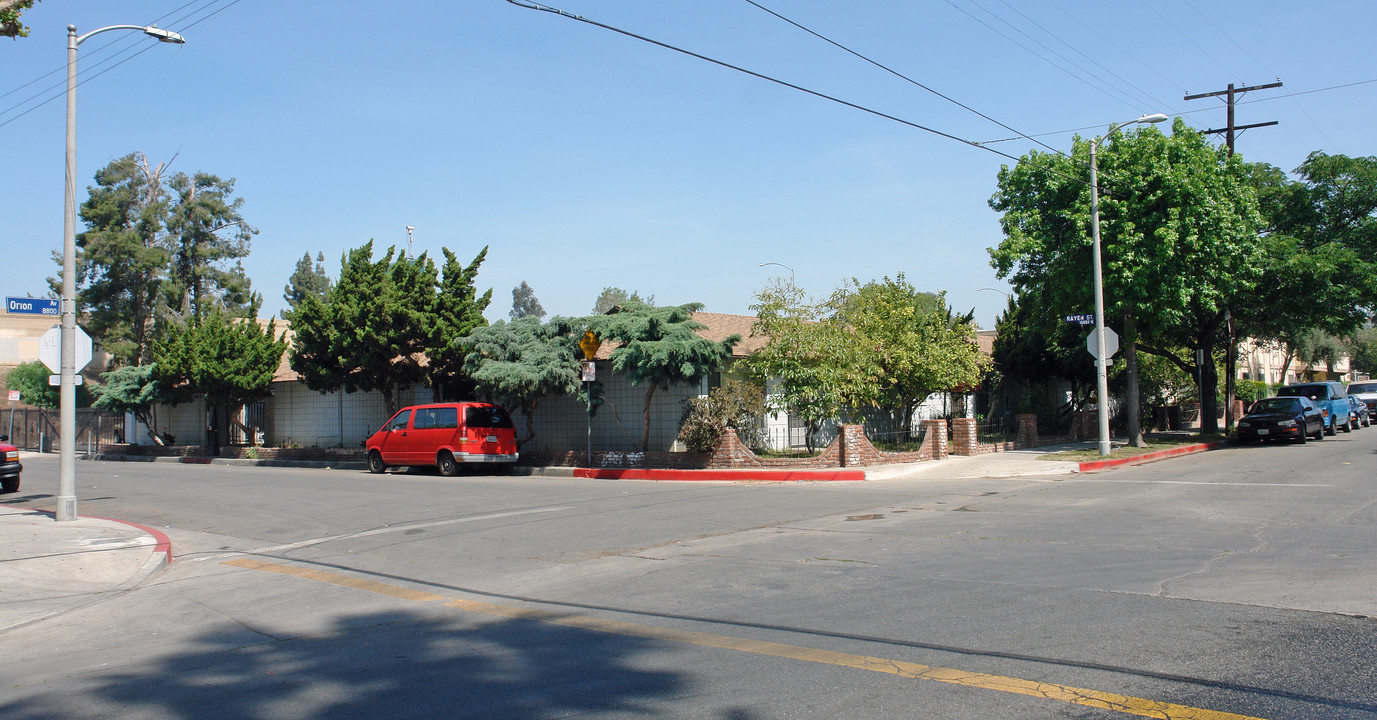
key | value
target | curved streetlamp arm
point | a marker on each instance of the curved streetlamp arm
(153, 31)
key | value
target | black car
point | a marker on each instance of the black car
(1282, 418)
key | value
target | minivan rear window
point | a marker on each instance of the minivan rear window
(490, 416)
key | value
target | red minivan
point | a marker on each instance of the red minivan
(443, 435)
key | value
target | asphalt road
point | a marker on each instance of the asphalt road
(1236, 583)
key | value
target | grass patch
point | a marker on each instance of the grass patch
(1155, 442)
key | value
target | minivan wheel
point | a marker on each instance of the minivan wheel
(1333, 428)
(10, 485)
(375, 462)
(449, 467)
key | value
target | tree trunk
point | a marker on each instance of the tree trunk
(1132, 395)
(1230, 372)
(1209, 385)
(645, 416)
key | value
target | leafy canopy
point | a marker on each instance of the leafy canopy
(519, 364)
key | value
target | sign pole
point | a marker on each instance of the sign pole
(589, 344)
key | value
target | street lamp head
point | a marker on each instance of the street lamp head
(166, 36)
(1153, 118)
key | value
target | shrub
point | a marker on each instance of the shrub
(730, 406)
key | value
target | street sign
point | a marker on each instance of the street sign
(55, 380)
(1111, 343)
(31, 306)
(1081, 319)
(50, 349)
(14, 396)
(589, 344)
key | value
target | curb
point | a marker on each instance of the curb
(722, 475)
(1097, 465)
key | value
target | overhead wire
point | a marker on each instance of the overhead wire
(88, 73)
(531, 5)
(899, 74)
(1119, 97)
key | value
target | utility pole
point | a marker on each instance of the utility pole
(1231, 96)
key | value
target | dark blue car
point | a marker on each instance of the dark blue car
(1282, 418)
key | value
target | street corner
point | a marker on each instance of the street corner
(48, 566)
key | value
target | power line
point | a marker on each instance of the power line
(530, 5)
(1119, 98)
(899, 74)
(59, 88)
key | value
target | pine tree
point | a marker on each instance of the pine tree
(307, 279)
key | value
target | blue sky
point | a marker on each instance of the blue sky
(586, 159)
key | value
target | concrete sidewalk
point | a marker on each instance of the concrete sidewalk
(49, 567)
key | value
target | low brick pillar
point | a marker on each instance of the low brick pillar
(1238, 409)
(1027, 430)
(935, 437)
(964, 439)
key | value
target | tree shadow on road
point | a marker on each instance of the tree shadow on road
(391, 665)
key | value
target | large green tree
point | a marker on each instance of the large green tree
(815, 367)
(133, 389)
(458, 311)
(519, 364)
(1179, 223)
(157, 252)
(122, 258)
(208, 240)
(228, 361)
(919, 347)
(31, 380)
(658, 347)
(387, 324)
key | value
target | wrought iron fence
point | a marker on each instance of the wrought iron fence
(895, 439)
(36, 429)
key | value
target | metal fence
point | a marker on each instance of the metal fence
(895, 439)
(36, 429)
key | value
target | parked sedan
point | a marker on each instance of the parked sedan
(1365, 392)
(1282, 418)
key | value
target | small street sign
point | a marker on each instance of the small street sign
(14, 396)
(1081, 319)
(31, 306)
(55, 380)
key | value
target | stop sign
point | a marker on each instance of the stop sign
(50, 348)
(1111, 343)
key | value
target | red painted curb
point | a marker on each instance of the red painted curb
(1095, 465)
(161, 542)
(727, 475)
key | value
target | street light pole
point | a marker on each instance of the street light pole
(66, 466)
(1102, 362)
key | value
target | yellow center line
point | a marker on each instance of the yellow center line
(1032, 688)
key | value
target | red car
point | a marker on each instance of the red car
(10, 468)
(443, 435)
